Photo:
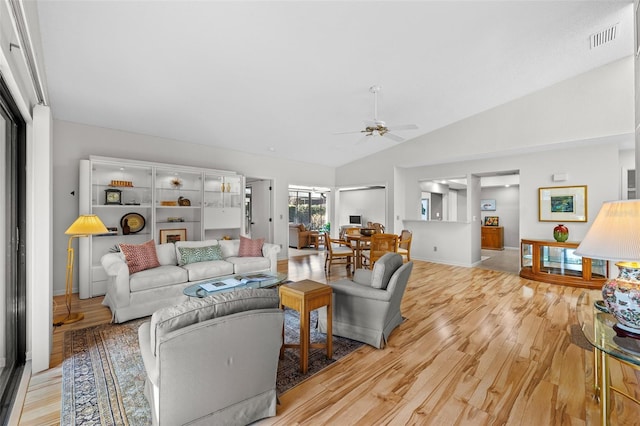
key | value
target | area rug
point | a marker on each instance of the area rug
(103, 373)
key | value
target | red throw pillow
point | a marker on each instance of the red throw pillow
(140, 256)
(250, 248)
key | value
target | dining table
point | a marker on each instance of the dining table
(361, 242)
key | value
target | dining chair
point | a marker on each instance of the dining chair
(337, 252)
(404, 244)
(378, 227)
(380, 245)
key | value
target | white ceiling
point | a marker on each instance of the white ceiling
(279, 78)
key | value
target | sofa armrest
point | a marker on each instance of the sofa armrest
(117, 270)
(271, 251)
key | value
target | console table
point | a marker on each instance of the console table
(554, 262)
(597, 327)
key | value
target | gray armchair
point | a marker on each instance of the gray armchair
(367, 309)
(213, 360)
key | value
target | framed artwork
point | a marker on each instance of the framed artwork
(173, 235)
(562, 204)
(491, 221)
(487, 205)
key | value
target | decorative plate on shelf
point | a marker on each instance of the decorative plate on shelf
(134, 220)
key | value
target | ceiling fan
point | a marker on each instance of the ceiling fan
(378, 127)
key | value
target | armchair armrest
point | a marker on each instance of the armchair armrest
(350, 288)
(341, 243)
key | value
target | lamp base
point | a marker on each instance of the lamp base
(68, 319)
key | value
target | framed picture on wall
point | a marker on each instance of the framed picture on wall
(562, 204)
(491, 221)
(173, 235)
(487, 205)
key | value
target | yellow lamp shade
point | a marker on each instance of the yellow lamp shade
(87, 224)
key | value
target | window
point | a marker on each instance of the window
(308, 207)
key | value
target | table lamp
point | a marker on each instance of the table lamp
(83, 226)
(615, 236)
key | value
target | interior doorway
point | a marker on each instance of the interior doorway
(258, 209)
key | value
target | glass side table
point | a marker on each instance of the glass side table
(597, 326)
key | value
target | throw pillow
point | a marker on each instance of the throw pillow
(200, 254)
(140, 256)
(250, 248)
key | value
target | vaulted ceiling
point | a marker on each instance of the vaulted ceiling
(280, 78)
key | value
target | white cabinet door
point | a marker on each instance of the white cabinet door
(222, 218)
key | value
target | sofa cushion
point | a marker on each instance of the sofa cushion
(199, 254)
(179, 244)
(242, 265)
(210, 269)
(157, 277)
(250, 248)
(166, 254)
(193, 311)
(140, 256)
(384, 268)
(230, 248)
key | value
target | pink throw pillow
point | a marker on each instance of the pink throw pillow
(140, 256)
(250, 248)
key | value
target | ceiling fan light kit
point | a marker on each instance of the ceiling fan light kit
(378, 127)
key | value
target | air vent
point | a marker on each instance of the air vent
(603, 37)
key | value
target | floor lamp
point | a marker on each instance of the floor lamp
(84, 225)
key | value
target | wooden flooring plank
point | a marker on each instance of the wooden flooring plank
(478, 347)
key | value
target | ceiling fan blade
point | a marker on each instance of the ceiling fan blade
(348, 133)
(393, 137)
(403, 127)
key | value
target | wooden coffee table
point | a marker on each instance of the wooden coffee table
(306, 296)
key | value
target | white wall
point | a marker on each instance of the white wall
(72, 142)
(596, 166)
(369, 203)
(572, 126)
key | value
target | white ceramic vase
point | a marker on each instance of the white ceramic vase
(622, 297)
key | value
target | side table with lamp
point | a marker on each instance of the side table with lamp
(83, 226)
(614, 236)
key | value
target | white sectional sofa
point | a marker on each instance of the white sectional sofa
(140, 294)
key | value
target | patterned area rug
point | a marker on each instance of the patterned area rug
(103, 373)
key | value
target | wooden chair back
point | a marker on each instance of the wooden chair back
(404, 244)
(380, 245)
(378, 227)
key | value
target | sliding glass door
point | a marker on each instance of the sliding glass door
(12, 251)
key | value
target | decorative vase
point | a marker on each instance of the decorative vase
(561, 233)
(622, 298)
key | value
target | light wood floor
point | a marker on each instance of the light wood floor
(479, 347)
